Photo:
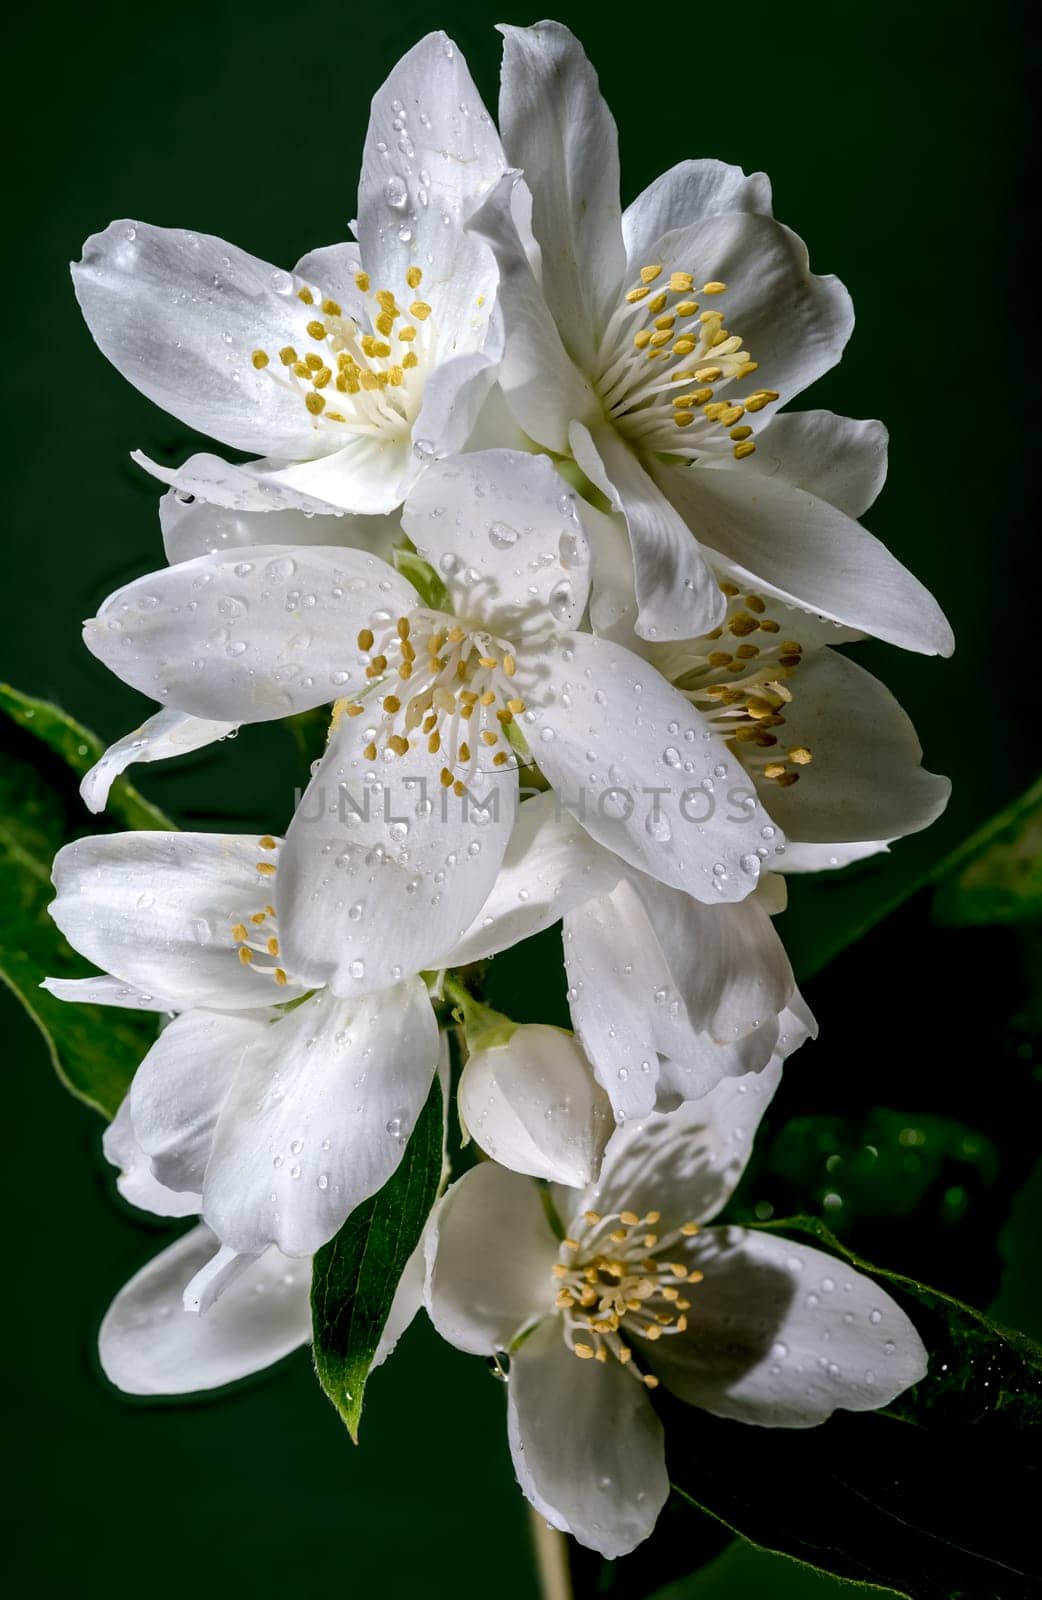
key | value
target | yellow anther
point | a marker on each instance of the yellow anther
(399, 744)
(747, 367)
(689, 1229)
(459, 789)
(240, 932)
(642, 339)
(420, 310)
(638, 294)
(681, 282)
(745, 449)
(666, 322)
(683, 419)
(445, 777)
(315, 403)
(500, 759)
(464, 751)
(317, 330)
(267, 868)
(410, 360)
(516, 707)
(322, 377)
(649, 274)
(738, 434)
(307, 297)
(385, 323)
(287, 355)
(259, 359)
(583, 1351)
(332, 308)
(362, 281)
(301, 369)
(800, 755)
(488, 737)
(686, 308)
(414, 277)
(369, 752)
(280, 976)
(659, 302)
(434, 743)
(630, 1218)
(257, 918)
(708, 374)
(267, 842)
(272, 947)
(684, 346)
(245, 955)
(365, 639)
(732, 414)
(392, 703)
(657, 340)
(713, 288)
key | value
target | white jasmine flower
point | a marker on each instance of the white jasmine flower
(259, 633)
(632, 340)
(730, 1319)
(351, 372)
(275, 1108)
(282, 1116)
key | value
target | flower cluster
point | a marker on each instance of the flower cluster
(527, 514)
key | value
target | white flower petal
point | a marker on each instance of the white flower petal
(809, 552)
(686, 1163)
(504, 531)
(587, 1446)
(198, 528)
(800, 857)
(180, 315)
(641, 769)
(370, 475)
(431, 153)
(168, 733)
(542, 385)
(793, 323)
(247, 487)
(408, 1299)
(619, 990)
(836, 458)
(180, 1087)
(756, 1348)
(136, 1182)
(453, 398)
(683, 195)
(149, 1345)
(158, 910)
(533, 1105)
(677, 593)
(727, 962)
(318, 1117)
(248, 636)
(559, 132)
(551, 864)
(384, 869)
(865, 780)
(489, 1253)
(104, 990)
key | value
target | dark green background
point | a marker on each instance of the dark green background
(896, 137)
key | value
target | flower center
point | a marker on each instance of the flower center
(741, 687)
(665, 361)
(614, 1284)
(352, 381)
(258, 937)
(448, 685)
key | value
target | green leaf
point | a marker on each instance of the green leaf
(996, 877)
(355, 1276)
(94, 1050)
(931, 1498)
